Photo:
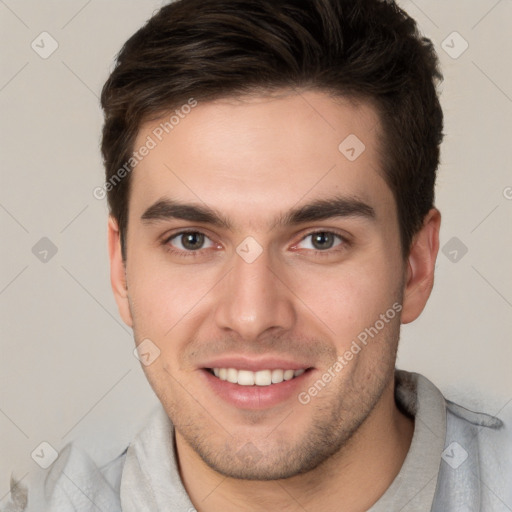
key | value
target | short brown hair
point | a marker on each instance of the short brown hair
(209, 49)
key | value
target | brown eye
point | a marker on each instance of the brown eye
(190, 241)
(320, 241)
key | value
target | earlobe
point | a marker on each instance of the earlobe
(118, 272)
(420, 267)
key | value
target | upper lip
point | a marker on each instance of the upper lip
(255, 364)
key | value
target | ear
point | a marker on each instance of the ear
(420, 267)
(118, 272)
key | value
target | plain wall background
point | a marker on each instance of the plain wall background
(67, 367)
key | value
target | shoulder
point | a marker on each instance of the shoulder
(72, 482)
(477, 458)
(475, 468)
(488, 434)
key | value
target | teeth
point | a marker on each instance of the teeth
(263, 378)
(277, 376)
(259, 378)
(232, 375)
(288, 375)
(245, 378)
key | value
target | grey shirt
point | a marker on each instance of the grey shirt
(414, 487)
(458, 461)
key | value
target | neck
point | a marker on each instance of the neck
(356, 477)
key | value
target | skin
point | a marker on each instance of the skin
(254, 159)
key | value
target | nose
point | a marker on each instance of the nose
(254, 299)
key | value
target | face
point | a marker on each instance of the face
(259, 253)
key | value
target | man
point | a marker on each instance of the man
(270, 175)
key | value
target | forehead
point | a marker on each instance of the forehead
(261, 155)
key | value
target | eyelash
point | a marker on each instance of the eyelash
(187, 254)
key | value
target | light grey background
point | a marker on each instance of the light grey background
(67, 367)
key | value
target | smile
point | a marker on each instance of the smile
(256, 378)
(256, 383)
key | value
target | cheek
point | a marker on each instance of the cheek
(161, 294)
(350, 298)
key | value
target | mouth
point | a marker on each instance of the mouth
(264, 377)
(249, 385)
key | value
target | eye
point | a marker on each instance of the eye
(190, 241)
(320, 241)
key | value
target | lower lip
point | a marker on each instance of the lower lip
(256, 397)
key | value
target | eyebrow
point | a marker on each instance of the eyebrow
(320, 209)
